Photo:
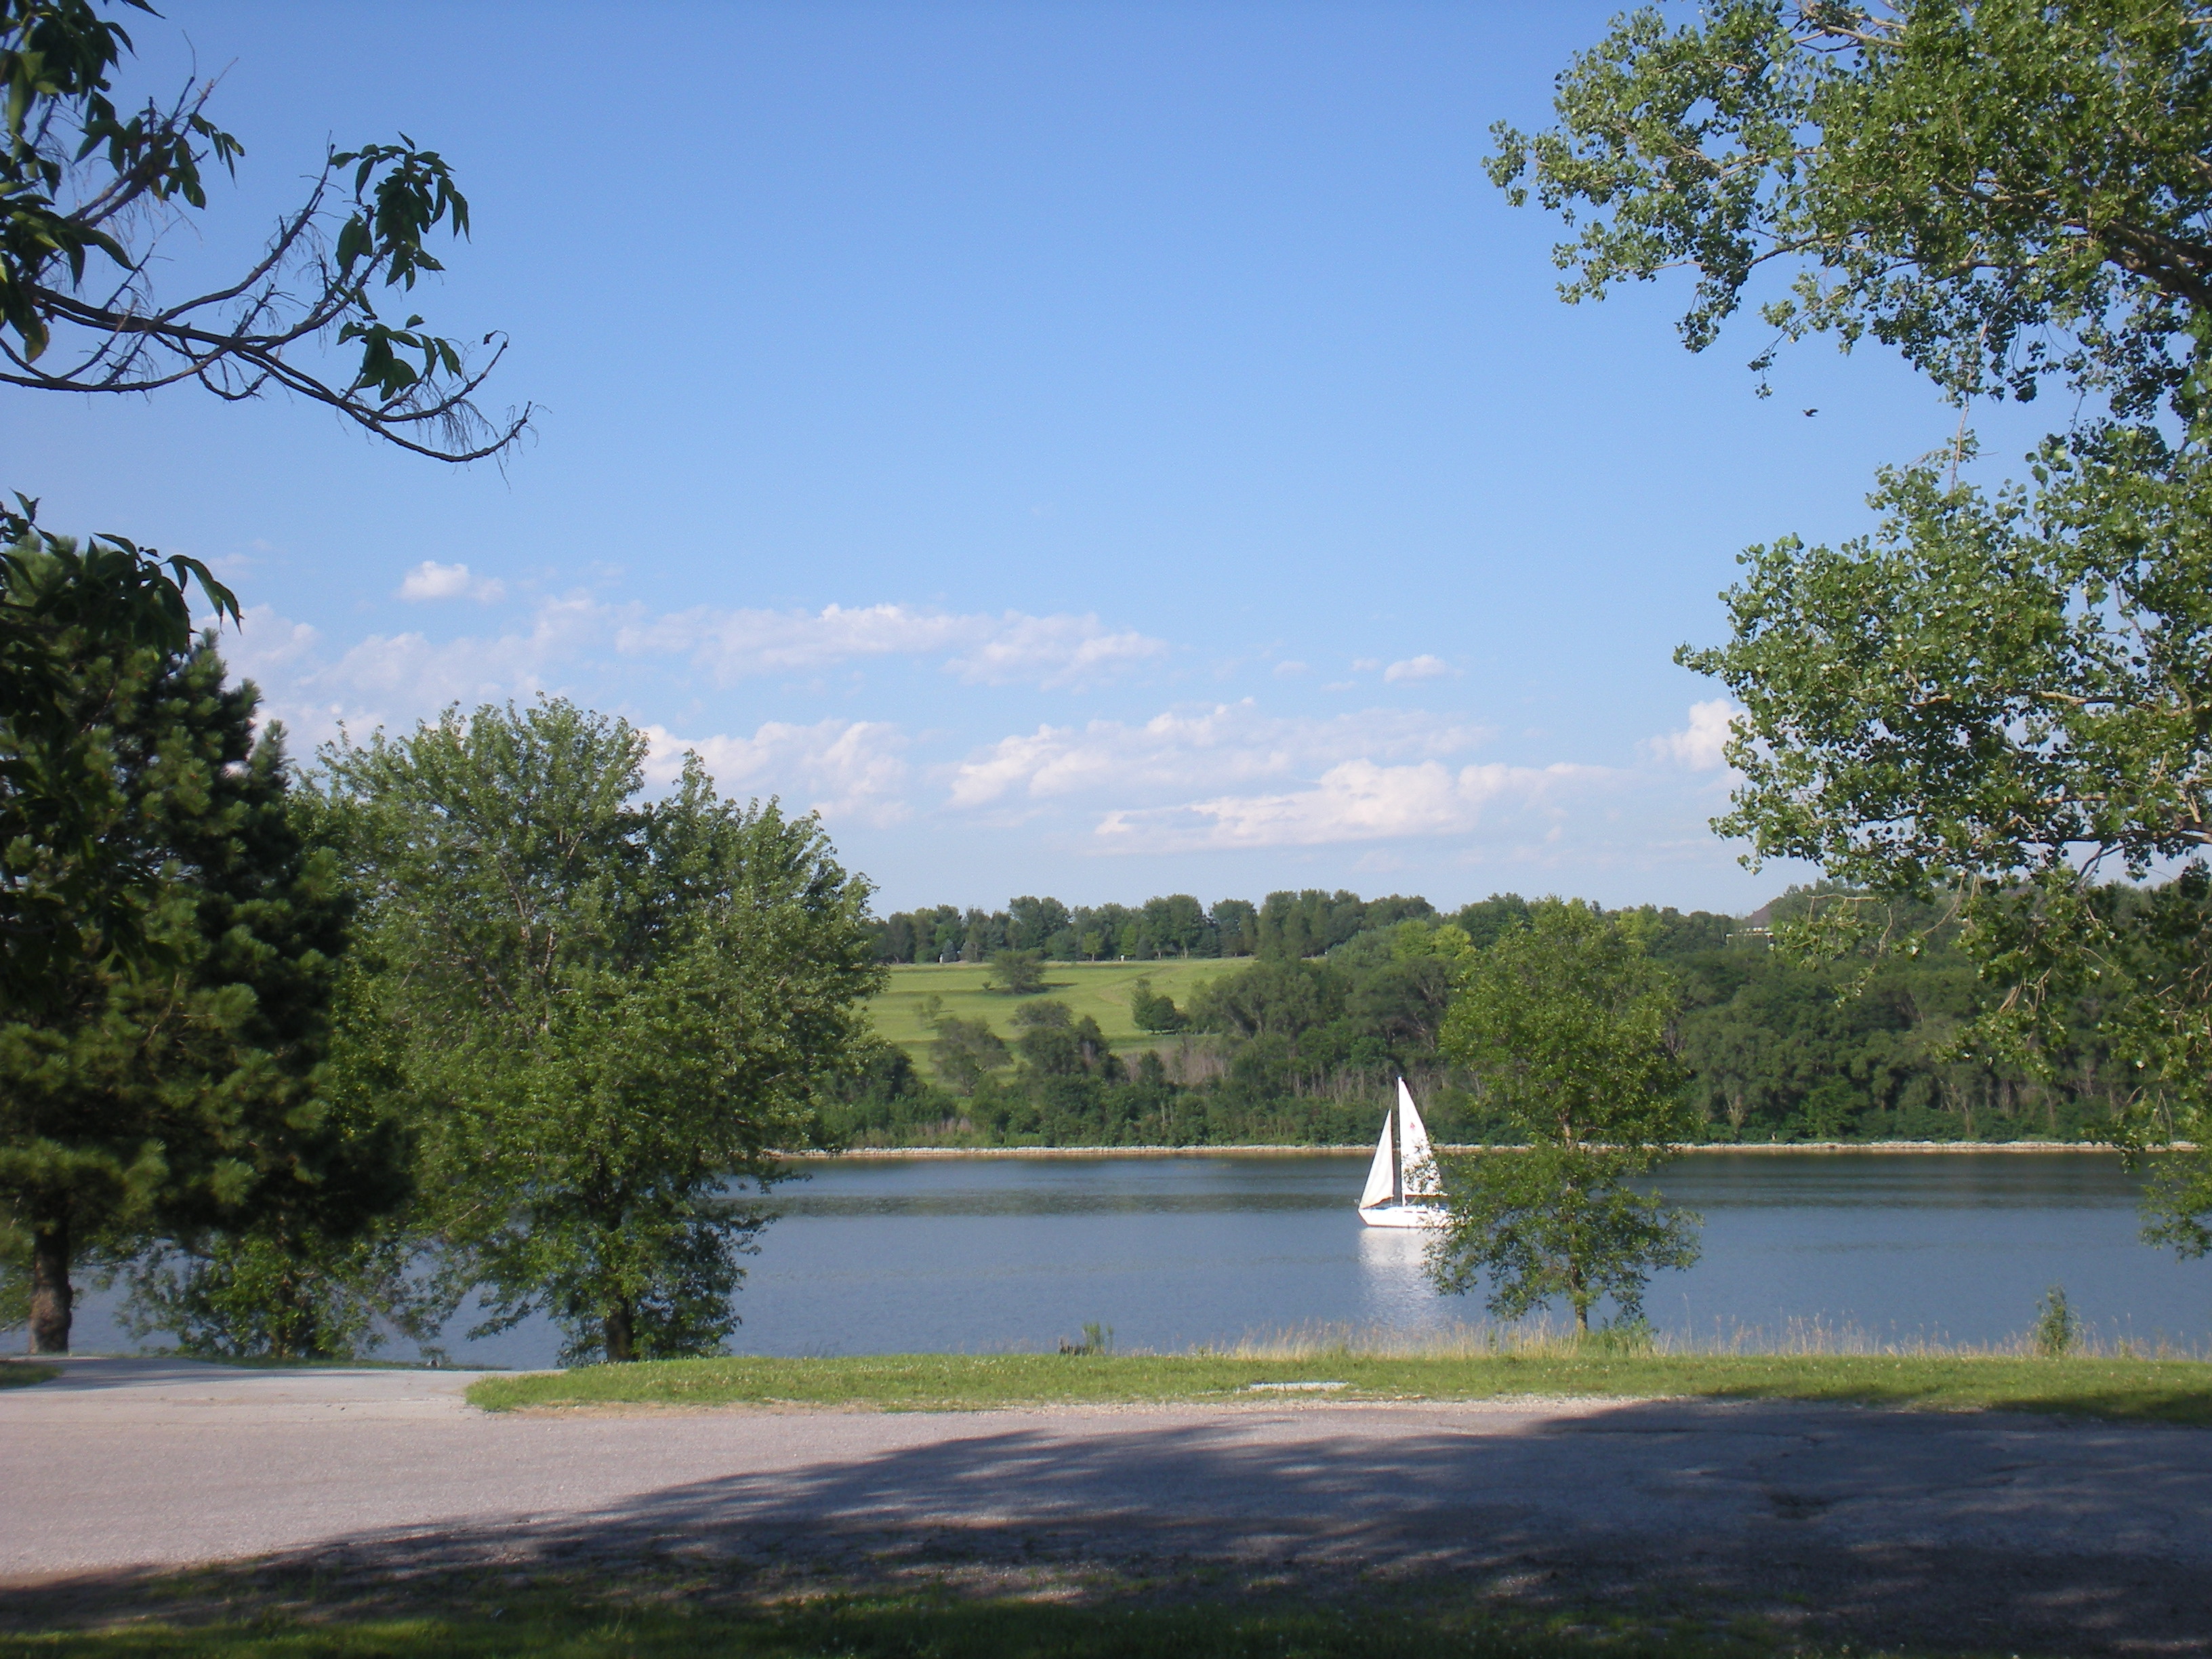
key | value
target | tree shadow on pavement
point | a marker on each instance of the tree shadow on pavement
(1899, 1529)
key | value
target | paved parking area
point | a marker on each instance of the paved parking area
(1986, 1524)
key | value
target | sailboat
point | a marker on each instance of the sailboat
(1401, 1183)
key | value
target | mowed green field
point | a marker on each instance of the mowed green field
(1100, 989)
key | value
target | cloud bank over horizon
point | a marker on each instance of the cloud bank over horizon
(1390, 786)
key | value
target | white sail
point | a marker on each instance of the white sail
(1415, 1155)
(1380, 1187)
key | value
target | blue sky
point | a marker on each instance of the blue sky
(1092, 449)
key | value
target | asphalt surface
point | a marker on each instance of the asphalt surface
(1965, 1529)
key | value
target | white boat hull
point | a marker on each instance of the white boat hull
(1403, 1215)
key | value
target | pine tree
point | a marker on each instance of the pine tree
(174, 1088)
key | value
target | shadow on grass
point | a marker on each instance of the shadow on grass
(929, 1624)
(2122, 1398)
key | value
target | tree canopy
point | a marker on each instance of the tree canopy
(1998, 699)
(604, 1009)
(2004, 191)
(87, 190)
(1566, 1023)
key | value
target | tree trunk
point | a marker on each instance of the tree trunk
(51, 1295)
(615, 1332)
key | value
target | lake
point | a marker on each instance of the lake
(889, 1254)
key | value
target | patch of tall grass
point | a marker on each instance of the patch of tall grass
(2066, 1335)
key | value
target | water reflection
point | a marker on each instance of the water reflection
(1394, 1289)
(877, 1256)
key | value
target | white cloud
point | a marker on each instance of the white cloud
(1359, 800)
(1417, 668)
(1287, 669)
(262, 645)
(844, 769)
(1197, 748)
(432, 581)
(1362, 664)
(1699, 745)
(420, 673)
(978, 648)
(389, 679)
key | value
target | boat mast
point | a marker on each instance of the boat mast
(1397, 1158)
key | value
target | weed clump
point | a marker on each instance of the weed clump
(2057, 1329)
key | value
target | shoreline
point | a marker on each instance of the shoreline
(1762, 1147)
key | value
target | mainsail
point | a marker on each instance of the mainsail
(1417, 1158)
(1402, 1179)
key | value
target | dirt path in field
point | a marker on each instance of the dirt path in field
(1998, 1532)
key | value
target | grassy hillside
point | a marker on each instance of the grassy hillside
(1100, 989)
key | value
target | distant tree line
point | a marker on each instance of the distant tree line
(1284, 926)
(1300, 1043)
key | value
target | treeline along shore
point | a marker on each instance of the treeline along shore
(1780, 1148)
(1285, 1022)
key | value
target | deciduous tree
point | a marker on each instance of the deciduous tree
(2004, 191)
(1017, 973)
(88, 191)
(1998, 699)
(606, 1009)
(1154, 1011)
(1565, 1021)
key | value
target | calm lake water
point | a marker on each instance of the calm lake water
(888, 1256)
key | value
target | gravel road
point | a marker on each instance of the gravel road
(1990, 1529)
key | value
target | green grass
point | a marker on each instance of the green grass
(19, 1373)
(1100, 989)
(585, 1623)
(2123, 1389)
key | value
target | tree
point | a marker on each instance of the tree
(1176, 925)
(2002, 191)
(176, 1090)
(73, 876)
(89, 192)
(1994, 701)
(1154, 1012)
(966, 1051)
(1017, 973)
(606, 1010)
(1033, 921)
(1999, 702)
(1565, 1021)
(324, 1272)
(1053, 1042)
(1235, 923)
(1728, 1055)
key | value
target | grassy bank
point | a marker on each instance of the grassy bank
(2120, 1389)
(1100, 989)
(15, 1373)
(664, 1622)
